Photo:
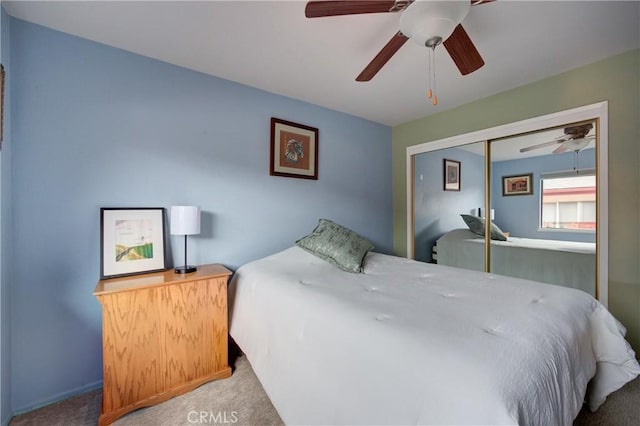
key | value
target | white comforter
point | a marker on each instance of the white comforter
(413, 343)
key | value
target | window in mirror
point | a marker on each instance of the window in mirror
(568, 202)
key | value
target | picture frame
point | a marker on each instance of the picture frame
(517, 185)
(132, 241)
(294, 150)
(451, 175)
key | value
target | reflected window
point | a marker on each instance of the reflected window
(568, 202)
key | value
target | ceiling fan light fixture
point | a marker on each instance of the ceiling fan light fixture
(578, 144)
(424, 20)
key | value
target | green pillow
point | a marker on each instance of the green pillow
(337, 245)
(476, 225)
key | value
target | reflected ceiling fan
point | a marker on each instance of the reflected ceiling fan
(429, 23)
(575, 138)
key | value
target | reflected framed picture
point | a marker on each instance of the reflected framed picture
(451, 177)
(294, 150)
(517, 185)
(131, 241)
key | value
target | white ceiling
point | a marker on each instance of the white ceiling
(272, 46)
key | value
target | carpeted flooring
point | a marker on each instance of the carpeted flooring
(240, 400)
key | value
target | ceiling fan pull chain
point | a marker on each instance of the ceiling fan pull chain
(431, 71)
(429, 92)
(435, 96)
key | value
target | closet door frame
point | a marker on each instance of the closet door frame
(597, 112)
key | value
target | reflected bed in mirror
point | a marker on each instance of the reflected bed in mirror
(566, 263)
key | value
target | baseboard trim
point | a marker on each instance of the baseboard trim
(5, 421)
(57, 398)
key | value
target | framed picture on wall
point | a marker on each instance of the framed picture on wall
(517, 184)
(451, 175)
(131, 241)
(294, 150)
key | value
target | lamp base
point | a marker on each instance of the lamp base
(185, 269)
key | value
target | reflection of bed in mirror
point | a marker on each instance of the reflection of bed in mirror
(566, 263)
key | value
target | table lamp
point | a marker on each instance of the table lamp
(185, 220)
(481, 212)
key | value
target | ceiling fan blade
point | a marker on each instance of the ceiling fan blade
(540, 145)
(559, 150)
(479, 2)
(318, 9)
(392, 46)
(463, 52)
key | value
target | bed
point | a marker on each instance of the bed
(407, 342)
(566, 263)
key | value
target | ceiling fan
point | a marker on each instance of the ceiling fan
(429, 23)
(575, 138)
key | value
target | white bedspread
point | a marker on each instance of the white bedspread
(413, 343)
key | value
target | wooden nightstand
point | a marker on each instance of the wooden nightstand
(163, 334)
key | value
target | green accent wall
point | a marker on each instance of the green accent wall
(616, 80)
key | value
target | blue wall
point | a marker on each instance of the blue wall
(519, 215)
(97, 126)
(438, 211)
(5, 229)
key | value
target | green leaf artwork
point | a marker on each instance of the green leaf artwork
(133, 240)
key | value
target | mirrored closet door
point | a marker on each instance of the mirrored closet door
(543, 199)
(541, 210)
(449, 188)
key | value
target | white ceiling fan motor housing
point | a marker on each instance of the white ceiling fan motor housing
(424, 20)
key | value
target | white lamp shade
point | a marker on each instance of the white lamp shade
(481, 213)
(185, 220)
(423, 20)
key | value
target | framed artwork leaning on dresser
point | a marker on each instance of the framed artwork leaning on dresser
(131, 241)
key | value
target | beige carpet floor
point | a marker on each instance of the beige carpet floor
(243, 401)
(239, 399)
